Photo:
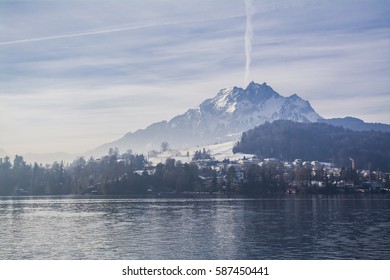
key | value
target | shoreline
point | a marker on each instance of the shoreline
(197, 196)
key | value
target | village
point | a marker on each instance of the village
(297, 176)
(250, 174)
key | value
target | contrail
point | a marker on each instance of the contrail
(81, 34)
(115, 29)
(249, 11)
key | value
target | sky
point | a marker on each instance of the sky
(80, 73)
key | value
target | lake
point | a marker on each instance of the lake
(283, 227)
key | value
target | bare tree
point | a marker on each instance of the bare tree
(164, 146)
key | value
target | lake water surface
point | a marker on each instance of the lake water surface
(287, 227)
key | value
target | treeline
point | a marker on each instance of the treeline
(287, 140)
(114, 174)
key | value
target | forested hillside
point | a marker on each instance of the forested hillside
(288, 140)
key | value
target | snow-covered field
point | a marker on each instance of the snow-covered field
(218, 151)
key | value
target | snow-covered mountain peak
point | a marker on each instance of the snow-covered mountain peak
(237, 109)
(252, 86)
(228, 100)
(232, 111)
(294, 97)
(258, 93)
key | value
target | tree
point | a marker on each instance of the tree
(253, 175)
(199, 155)
(6, 187)
(230, 177)
(214, 181)
(22, 174)
(164, 146)
(113, 152)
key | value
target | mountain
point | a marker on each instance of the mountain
(356, 124)
(288, 140)
(222, 118)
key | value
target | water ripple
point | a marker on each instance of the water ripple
(290, 227)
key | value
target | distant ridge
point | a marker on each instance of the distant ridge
(356, 124)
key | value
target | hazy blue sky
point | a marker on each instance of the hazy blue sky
(76, 74)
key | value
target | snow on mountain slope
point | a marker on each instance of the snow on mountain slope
(217, 151)
(230, 112)
(235, 110)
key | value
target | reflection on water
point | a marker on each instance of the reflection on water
(289, 227)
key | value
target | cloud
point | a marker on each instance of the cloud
(165, 54)
(76, 76)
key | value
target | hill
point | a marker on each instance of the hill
(289, 140)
